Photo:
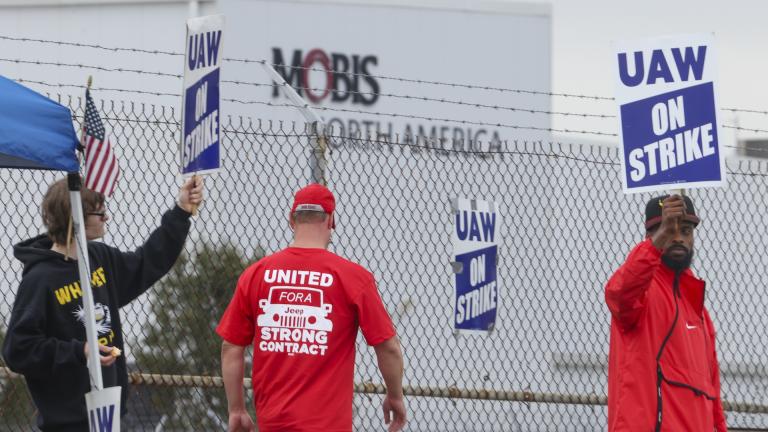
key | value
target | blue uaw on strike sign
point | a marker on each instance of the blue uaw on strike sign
(475, 253)
(668, 109)
(201, 138)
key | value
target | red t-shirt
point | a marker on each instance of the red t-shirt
(301, 309)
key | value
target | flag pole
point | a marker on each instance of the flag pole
(94, 361)
(82, 124)
(82, 150)
(75, 199)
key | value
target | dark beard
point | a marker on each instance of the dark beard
(678, 264)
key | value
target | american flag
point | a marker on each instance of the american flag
(101, 168)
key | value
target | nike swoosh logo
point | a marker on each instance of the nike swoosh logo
(690, 327)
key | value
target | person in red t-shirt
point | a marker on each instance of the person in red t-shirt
(301, 308)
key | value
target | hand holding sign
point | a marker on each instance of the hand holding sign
(672, 214)
(191, 194)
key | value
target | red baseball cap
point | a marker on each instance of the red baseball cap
(314, 197)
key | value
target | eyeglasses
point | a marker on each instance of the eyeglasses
(101, 214)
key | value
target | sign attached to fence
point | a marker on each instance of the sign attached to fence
(475, 252)
(669, 130)
(201, 138)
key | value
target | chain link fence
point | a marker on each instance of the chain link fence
(565, 227)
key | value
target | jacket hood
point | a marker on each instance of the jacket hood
(35, 250)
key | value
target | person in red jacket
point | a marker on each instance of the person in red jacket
(663, 373)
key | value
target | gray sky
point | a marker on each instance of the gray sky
(582, 31)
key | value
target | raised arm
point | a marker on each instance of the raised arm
(151, 261)
(625, 293)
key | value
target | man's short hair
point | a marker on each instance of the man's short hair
(56, 211)
(301, 217)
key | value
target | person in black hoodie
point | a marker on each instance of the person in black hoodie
(45, 341)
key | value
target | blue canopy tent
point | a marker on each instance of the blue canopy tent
(37, 133)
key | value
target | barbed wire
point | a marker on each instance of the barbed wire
(745, 129)
(83, 66)
(423, 98)
(262, 62)
(418, 117)
(476, 152)
(286, 105)
(132, 120)
(83, 45)
(257, 84)
(413, 139)
(429, 99)
(749, 148)
(60, 85)
(442, 100)
(164, 74)
(429, 82)
(358, 74)
(552, 154)
(742, 110)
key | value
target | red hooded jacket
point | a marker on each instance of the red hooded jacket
(660, 339)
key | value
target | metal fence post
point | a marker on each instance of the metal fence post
(317, 160)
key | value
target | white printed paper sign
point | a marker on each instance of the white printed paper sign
(670, 135)
(201, 132)
(104, 409)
